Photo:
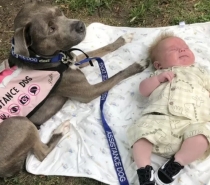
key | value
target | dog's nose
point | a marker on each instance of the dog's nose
(80, 27)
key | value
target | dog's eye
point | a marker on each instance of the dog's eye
(51, 29)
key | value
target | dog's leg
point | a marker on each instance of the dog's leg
(122, 40)
(75, 85)
(98, 89)
(41, 150)
(18, 136)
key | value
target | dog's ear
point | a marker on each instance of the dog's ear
(22, 40)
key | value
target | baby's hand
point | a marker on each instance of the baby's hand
(165, 76)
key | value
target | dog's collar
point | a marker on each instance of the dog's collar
(63, 56)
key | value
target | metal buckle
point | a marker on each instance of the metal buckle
(66, 59)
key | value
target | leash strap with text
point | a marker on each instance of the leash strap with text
(109, 134)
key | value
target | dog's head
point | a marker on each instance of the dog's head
(45, 30)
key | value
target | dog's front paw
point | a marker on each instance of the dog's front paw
(121, 41)
(128, 37)
(63, 128)
(144, 63)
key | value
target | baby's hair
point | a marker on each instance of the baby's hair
(160, 37)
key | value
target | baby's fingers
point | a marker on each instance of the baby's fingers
(170, 76)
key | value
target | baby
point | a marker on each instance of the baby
(174, 123)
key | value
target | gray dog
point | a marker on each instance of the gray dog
(42, 30)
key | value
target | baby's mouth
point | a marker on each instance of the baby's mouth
(183, 56)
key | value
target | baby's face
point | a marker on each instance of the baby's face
(173, 51)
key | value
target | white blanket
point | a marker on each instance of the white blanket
(84, 151)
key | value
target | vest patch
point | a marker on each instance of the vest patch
(24, 91)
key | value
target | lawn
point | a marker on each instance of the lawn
(132, 13)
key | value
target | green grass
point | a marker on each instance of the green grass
(3, 51)
(28, 179)
(171, 12)
(136, 13)
(141, 12)
(89, 5)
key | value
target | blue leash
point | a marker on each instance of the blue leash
(109, 134)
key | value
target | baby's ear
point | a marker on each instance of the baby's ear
(157, 65)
